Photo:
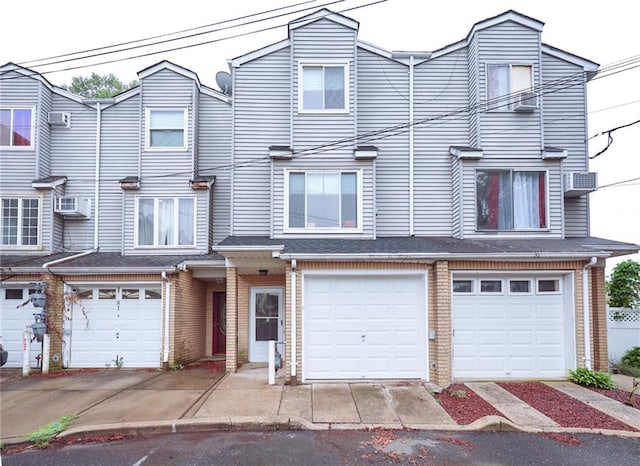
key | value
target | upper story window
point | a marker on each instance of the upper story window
(508, 85)
(166, 221)
(511, 200)
(166, 129)
(323, 87)
(20, 221)
(16, 127)
(324, 201)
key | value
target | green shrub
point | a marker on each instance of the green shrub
(632, 357)
(584, 376)
(42, 437)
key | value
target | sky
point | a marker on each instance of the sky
(603, 32)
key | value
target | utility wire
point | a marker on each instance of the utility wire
(609, 133)
(616, 183)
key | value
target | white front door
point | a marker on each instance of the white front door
(265, 321)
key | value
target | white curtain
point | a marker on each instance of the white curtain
(145, 222)
(526, 209)
(165, 222)
(185, 221)
(497, 87)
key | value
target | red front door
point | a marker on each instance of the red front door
(219, 322)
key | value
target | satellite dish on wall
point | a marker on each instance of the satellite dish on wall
(224, 82)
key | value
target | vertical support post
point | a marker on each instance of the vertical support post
(46, 350)
(26, 353)
(272, 362)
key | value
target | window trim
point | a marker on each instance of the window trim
(324, 63)
(176, 226)
(508, 106)
(185, 130)
(516, 230)
(19, 244)
(32, 133)
(305, 230)
(491, 293)
(558, 280)
(519, 293)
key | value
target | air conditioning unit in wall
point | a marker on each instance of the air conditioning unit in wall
(526, 102)
(73, 206)
(60, 119)
(579, 183)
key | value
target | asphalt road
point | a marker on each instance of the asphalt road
(341, 448)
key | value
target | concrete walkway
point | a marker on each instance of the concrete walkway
(137, 401)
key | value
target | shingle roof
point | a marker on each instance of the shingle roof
(112, 260)
(29, 261)
(434, 245)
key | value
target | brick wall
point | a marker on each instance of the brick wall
(232, 320)
(600, 351)
(188, 321)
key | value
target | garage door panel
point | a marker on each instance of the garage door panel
(498, 336)
(376, 307)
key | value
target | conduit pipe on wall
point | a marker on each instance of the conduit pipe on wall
(294, 333)
(167, 307)
(586, 312)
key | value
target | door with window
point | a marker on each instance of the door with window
(219, 323)
(265, 321)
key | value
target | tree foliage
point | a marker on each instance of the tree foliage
(623, 287)
(97, 86)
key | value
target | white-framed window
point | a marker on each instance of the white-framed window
(166, 128)
(505, 83)
(323, 87)
(491, 286)
(20, 221)
(165, 221)
(519, 286)
(463, 286)
(16, 127)
(323, 201)
(511, 200)
(548, 286)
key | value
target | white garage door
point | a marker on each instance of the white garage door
(510, 328)
(110, 323)
(365, 326)
(14, 318)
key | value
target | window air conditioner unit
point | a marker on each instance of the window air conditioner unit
(579, 183)
(60, 119)
(526, 102)
(75, 206)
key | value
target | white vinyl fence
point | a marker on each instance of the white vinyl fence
(623, 331)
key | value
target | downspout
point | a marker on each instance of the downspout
(586, 312)
(294, 333)
(167, 307)
(97, 175)
(411, 136)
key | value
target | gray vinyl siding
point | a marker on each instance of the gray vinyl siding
(456, 201)
(473, 71)
(323, 40)
(279, 194)
(383, 102)
(215, 155)
(564, 127)
(441, 85)
(120, 143)
(73, 154)
(262, 111)
(506, 133)
(18, 166)
(43, 132)
(554, 195)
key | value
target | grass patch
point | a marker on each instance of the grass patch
(42, 437)
(3, 444)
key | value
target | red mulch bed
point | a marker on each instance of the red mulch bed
(563, 409)
(215, 366)
(467, 409)
(64, 373)
(619, 395)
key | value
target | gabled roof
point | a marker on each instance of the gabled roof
(28, 73)
(324, 13)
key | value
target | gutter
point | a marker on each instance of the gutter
(167, 308)
(586, 312)
(53, 263)
(112, 270)
(440, 256)
(294, 330)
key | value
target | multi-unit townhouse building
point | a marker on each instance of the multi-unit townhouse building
(404, 215)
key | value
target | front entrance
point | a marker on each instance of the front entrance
(266, 321)
(219, 323)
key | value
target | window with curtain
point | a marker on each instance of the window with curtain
(511, 200)
(323, 200)
(20, 221)
(166, 129)
(323, 87)
(166, 221)
(504, 82)
(16, 129)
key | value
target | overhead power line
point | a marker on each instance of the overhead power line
(609, 133)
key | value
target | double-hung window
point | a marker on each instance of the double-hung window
(323, 201)
(508, 85)
(166, 129)
(16, 127)
(20, 221)
(166, 221)
(323, 87)
(511, 200)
